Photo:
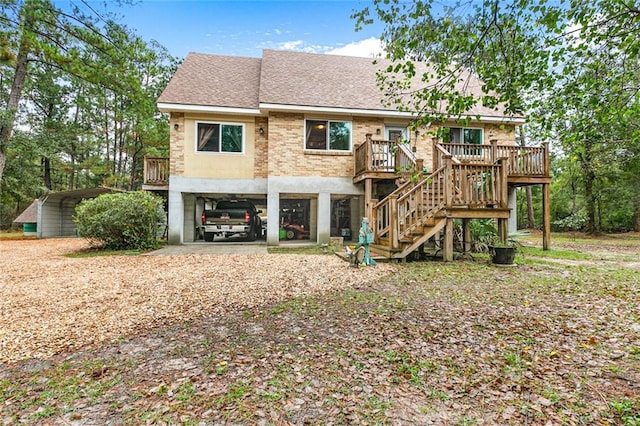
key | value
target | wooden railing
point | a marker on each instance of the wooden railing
(521, 160)
(156, 171)
(526, 160)
(407, 208)
(383, 156)
(478, 185)
(454, 184)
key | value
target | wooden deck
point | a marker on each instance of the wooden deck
(156, 174)
(468, 182)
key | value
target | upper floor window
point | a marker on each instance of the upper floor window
(219, 137)
(462, 135)
(328, 135)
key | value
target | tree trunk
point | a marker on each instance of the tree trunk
(19, 77)
(531, 223)
(636, 214)
(46, 172)
(589, 179)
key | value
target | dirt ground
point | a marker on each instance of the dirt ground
(51, 303)
(554, 340)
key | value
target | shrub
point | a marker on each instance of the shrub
(483, 234)
(121, 221)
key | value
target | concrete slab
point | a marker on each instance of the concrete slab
(259, 247)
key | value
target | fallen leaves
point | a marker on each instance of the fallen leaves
(51, 303)
(434, 343)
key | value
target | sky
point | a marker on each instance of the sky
(244, 28)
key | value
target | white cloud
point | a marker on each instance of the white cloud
(368, 48)
(291, 45)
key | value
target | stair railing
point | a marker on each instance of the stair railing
(452, 185)
(407, 208)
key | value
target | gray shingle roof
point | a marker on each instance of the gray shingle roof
(307, 79)
(212, 80)
(284, 78)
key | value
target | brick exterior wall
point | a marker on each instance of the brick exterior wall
(287, 156)
(261, 153)
(279, 150)
(176, 145)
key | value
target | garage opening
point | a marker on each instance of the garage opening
(295, 219)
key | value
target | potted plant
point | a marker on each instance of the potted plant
(504, 253)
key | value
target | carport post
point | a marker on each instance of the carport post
(176, 217)
(324, 218)
(273, 218)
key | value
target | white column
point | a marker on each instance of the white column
(176, 218)
(273, 218)
(512, 224)
(324, 218)
(189, 231)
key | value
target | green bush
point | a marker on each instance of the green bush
(121, 221)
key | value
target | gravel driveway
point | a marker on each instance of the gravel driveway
(51, 303)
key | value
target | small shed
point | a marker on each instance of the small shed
(29, 219)
(56, 210)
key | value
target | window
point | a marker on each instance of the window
(328, 135)
(462, 135)
(220, 137)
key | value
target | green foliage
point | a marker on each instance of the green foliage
(573, 222)
(483, 234)
(121, 221)
(572, 67)
(87, 98)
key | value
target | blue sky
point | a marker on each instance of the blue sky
(244, 28)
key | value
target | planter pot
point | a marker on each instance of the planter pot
(503, 255)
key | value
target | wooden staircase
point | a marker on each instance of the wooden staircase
(419, 209)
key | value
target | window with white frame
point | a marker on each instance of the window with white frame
(462, 135)
(219, 137)
(328, 135)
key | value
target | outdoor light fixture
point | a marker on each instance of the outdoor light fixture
(377, 131)
(176, 126)
(261, 130)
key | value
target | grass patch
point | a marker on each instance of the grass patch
(100, 252)
(15, 235)
(305, 249)
(555, 253)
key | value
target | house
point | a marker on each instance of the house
(309, 140)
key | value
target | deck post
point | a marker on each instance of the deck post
(393, 221)
(545, 145)
(546, 216)
(145, 171)
(368, 152)
(494, 150)
(368, 194)
(448, 182)
(435, 155)
(504, 188)
(447, 252)
(503, 231)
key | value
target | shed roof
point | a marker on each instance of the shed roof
(78, 194)
(28, 215)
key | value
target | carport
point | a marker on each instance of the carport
(56, 210)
